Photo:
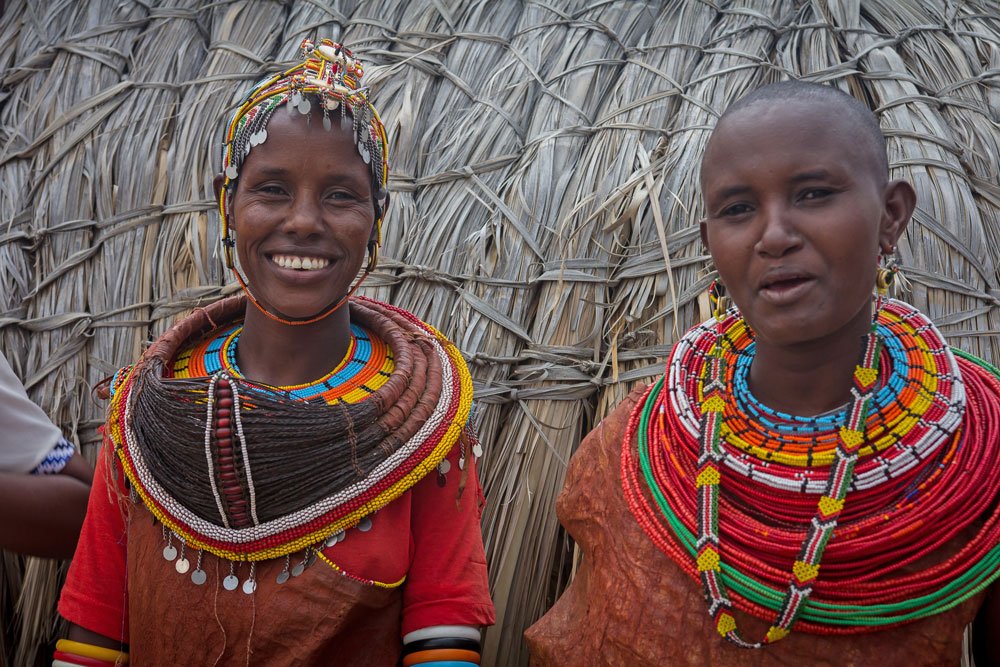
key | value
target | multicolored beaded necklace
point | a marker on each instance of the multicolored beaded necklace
(210, 456)
(364, 369)
(738, 494)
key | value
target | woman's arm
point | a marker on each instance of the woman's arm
(986, 630)
(41, 515)
(85, 636)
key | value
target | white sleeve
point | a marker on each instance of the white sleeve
(26, 433)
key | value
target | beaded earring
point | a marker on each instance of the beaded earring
(718, 299)
(888, 275)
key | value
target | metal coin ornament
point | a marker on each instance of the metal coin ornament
(169, 552)
(365, 525)
(199, 577)
(282, 576)
(249, 586)
(230, 582)
(182, 565)
(298, 569)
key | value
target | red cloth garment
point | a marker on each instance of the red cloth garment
(630, 604)
(426, 534)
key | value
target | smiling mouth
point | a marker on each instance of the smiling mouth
(300, 263)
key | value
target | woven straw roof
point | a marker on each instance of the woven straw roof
(544, 198)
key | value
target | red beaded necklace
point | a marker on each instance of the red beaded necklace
(883, 529)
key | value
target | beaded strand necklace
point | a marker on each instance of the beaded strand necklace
(922, 460)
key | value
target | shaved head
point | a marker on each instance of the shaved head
(855, 113)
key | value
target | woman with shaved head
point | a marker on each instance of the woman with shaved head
(816, 478)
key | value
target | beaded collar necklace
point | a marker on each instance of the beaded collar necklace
(901, 456)
(212, 457)
(366, 366)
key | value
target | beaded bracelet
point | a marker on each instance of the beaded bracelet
(433, 656)
(71, 653)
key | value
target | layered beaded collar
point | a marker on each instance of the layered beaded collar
(212, 457)
(707, 471)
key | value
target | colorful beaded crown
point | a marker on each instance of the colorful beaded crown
(330, 77)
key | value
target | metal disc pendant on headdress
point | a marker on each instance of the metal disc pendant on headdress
(199, 577)
(305, 107)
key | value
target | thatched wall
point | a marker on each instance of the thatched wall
(543, 173)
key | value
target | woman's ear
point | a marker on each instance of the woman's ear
(900, 200)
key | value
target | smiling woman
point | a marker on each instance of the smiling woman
(305, 457)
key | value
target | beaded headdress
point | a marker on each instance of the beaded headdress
(330, 79)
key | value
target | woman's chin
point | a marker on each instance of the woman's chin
(295, 309)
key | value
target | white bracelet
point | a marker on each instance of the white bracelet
(436, 631)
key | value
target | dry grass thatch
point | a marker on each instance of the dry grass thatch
(544, 184)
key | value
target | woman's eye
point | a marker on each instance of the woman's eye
(271, 189)
(735, 210)
(816, 193)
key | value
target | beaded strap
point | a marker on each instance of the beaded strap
(806, 567)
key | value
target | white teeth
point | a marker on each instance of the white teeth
(301, 263)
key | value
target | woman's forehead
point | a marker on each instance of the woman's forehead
(796, 133)
(294, 139)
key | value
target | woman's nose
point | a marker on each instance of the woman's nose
(304, 216)
(778, 234)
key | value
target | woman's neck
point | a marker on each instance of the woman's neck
(810, 378)
(280, 355)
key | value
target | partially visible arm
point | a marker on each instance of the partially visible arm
(85, 636)
(41, 515)
(986, 630)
